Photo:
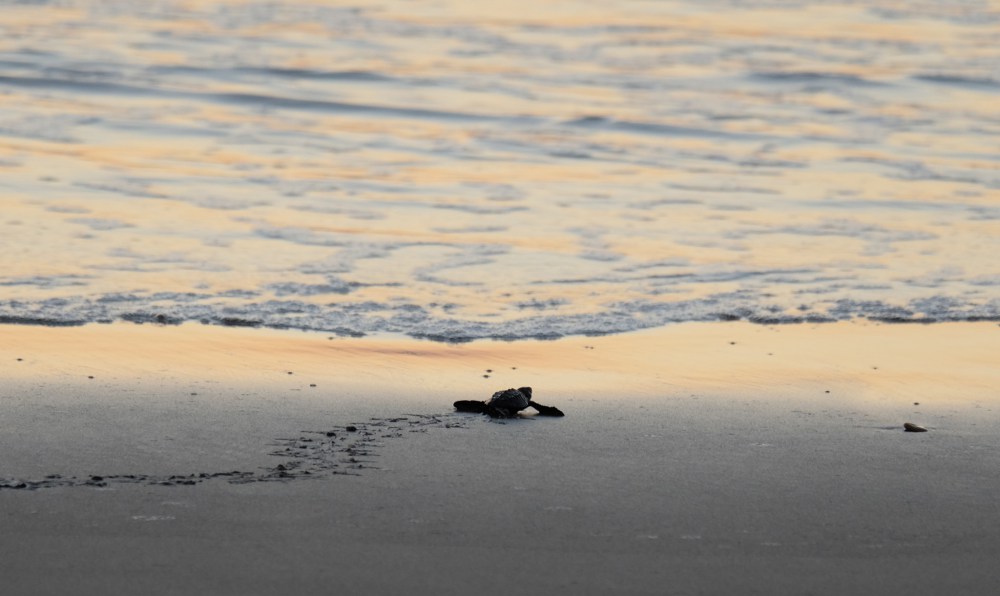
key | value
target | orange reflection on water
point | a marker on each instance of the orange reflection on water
(498, 160)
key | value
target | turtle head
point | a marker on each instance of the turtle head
(526, 391)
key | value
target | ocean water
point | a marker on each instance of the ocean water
(459, 170)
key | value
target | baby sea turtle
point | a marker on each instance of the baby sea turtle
(506, 404)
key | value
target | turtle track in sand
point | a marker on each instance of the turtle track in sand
(339, 450)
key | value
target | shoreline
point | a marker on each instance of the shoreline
(942, 362)
(719, 458)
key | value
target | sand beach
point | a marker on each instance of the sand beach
(693, 459)
(251, 253)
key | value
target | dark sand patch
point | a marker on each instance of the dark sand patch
(314, 454)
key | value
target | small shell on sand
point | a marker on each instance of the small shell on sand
(913, 428)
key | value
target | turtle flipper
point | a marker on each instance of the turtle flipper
(470, 405)
(546, 410)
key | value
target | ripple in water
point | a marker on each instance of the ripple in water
(457, 172)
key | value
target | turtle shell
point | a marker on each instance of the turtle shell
(511, 400)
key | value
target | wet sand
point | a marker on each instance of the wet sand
(698, 458)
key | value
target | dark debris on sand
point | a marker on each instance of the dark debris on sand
(344, 450)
